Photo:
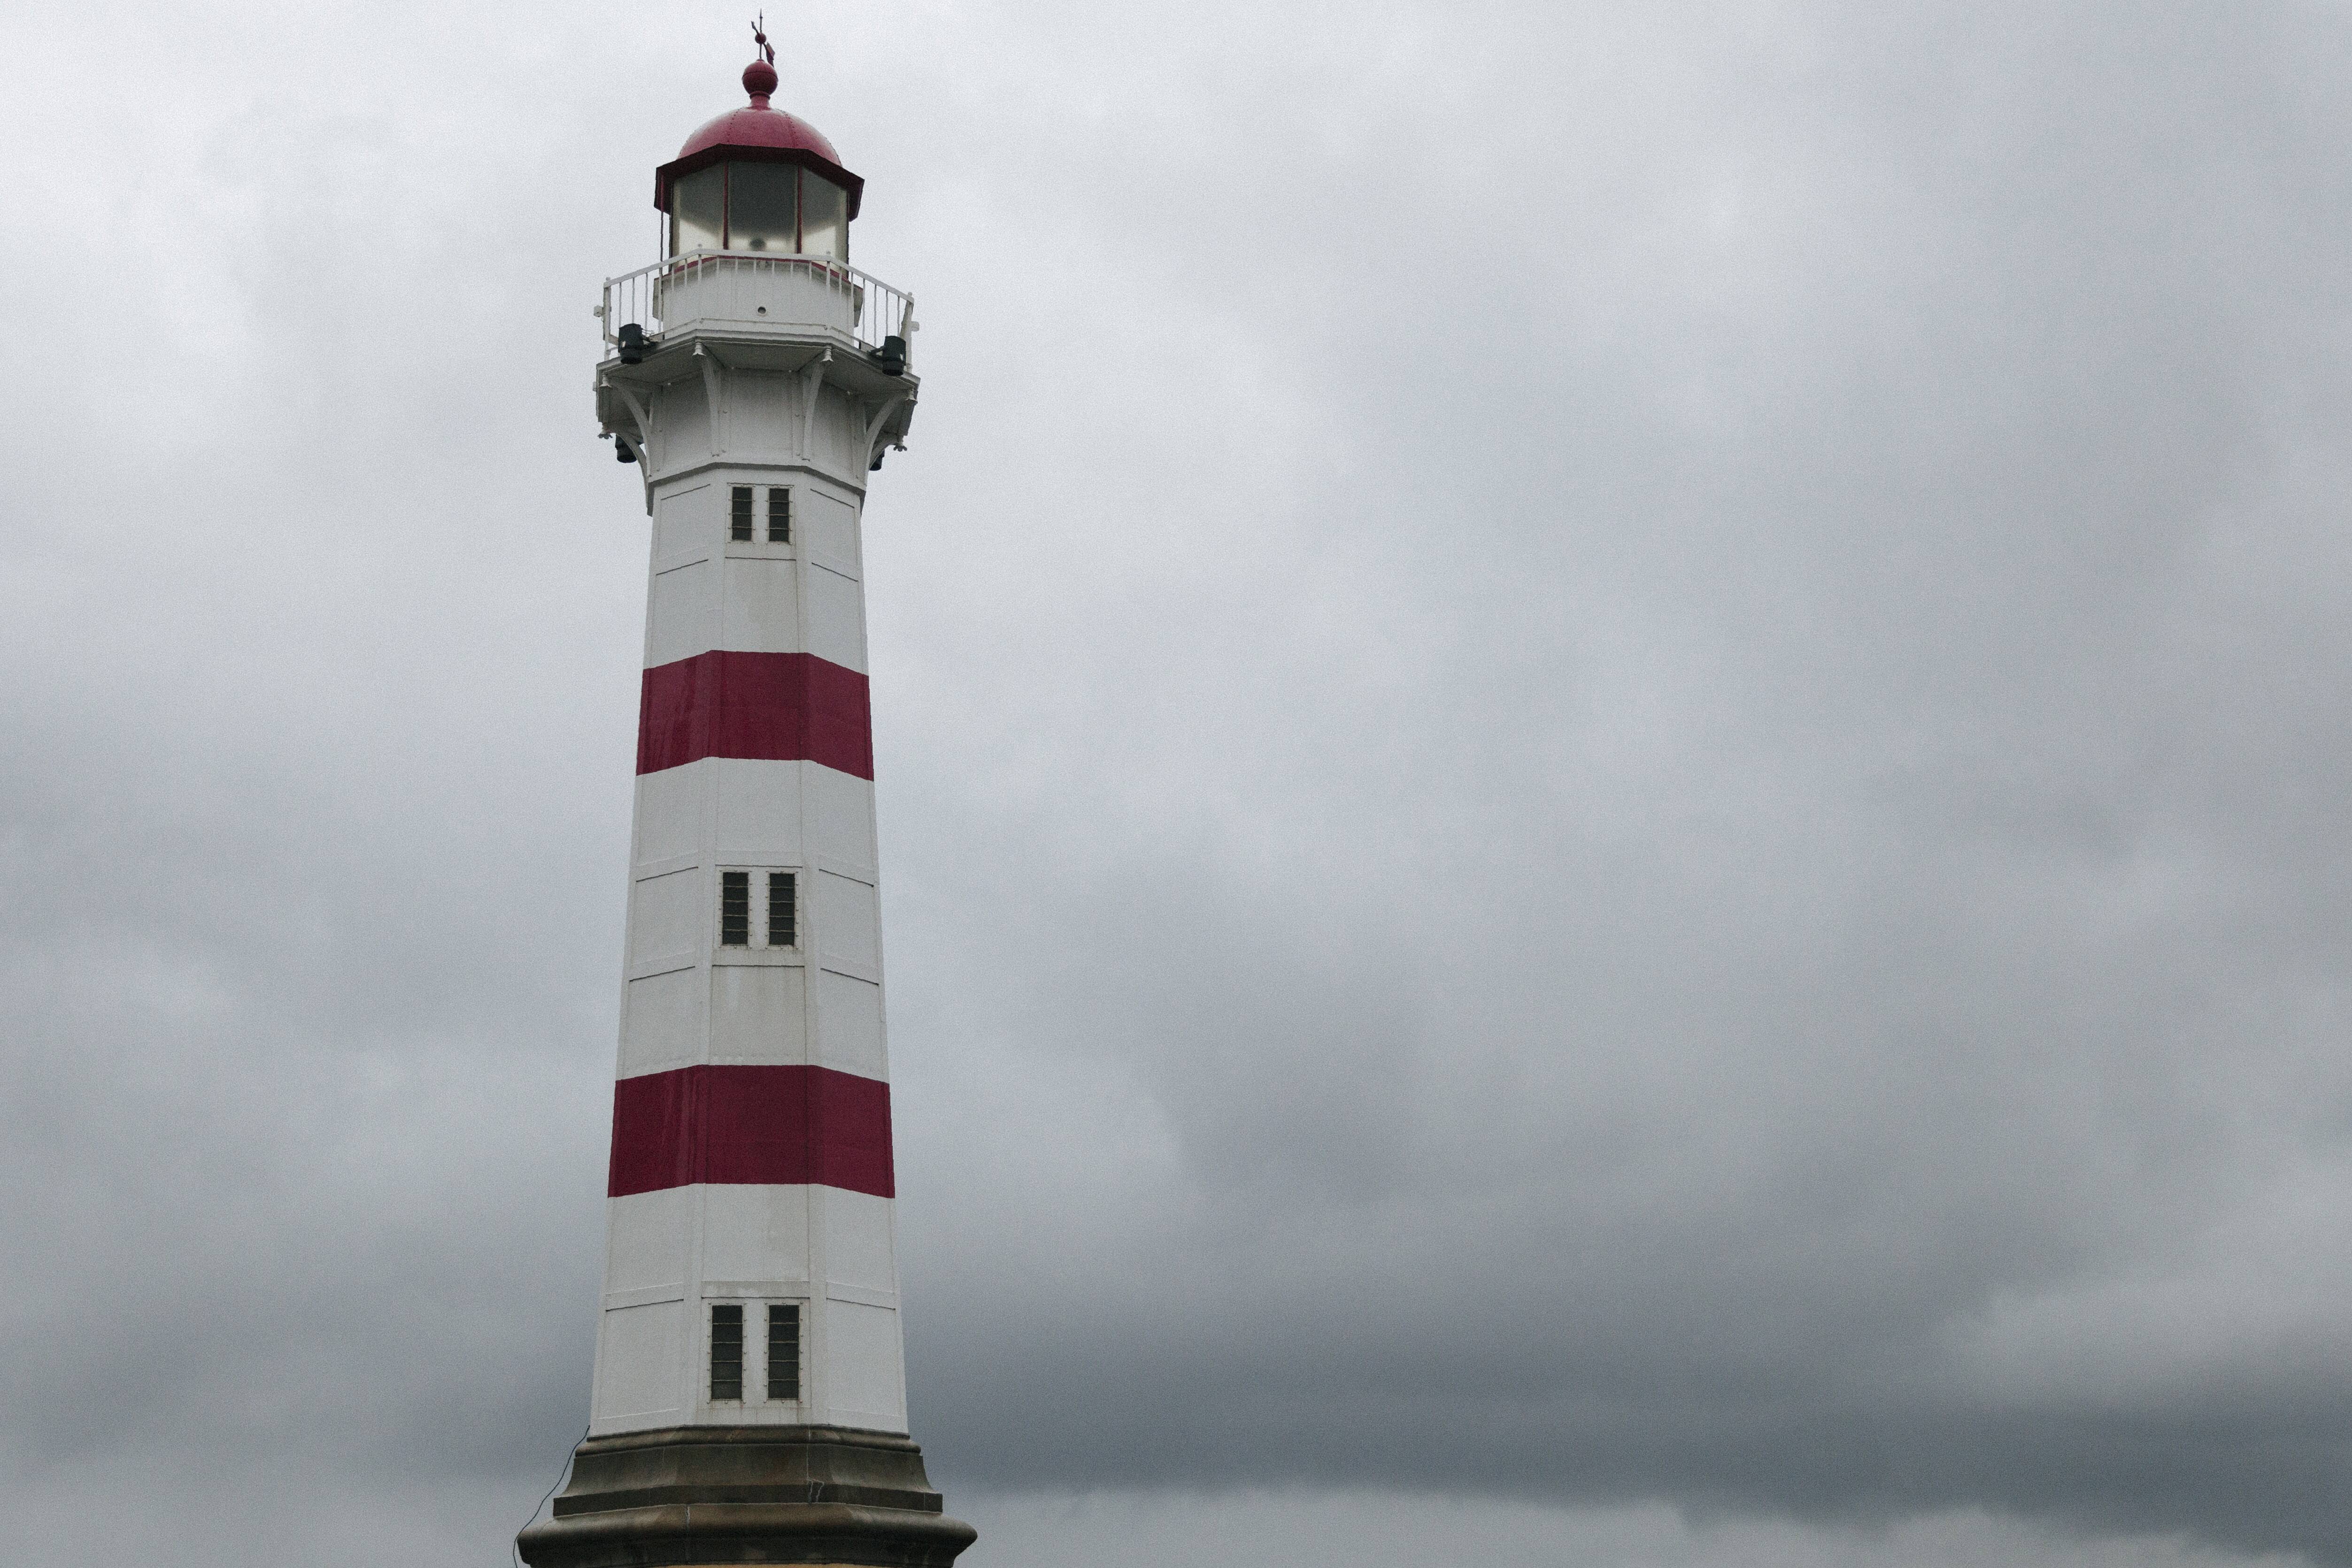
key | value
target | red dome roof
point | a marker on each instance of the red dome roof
(758, 134)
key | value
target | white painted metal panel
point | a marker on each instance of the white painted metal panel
(757, 297)
(848, 919)
(681, 620)
(840, 434)
(760, 404)
(762, 605)
(857, 1239)
(849, 1025)
(685, 422)
(840, 816)
(661, 1022)
(639, 1376)
(755, 1233)
(646, 1240)
(758, 806)
(666, 916)
(686, 519)
(865, 1381)
(830, 527)
(757, 1013)
(669, 813)
(836, 619)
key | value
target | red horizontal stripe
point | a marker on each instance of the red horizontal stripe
(771, 707)
(748, 1126)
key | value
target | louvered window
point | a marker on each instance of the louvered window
(784, 910)
(784, 1351)
(727, 1349)
(780, 515)
(734, 909)
(740, 518)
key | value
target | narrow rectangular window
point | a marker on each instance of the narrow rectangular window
(734, 909)
(740, 517)
(783, 1351)
(783, 909)
(780, 515)
(726, 1350)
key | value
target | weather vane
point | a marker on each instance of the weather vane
(760, 37)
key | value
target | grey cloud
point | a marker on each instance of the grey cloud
(1606, 755)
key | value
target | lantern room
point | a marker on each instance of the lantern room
(757, 181)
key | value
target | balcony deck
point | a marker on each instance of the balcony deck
(753, 298)
(759, 312)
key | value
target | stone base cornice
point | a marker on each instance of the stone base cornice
(692, 1495)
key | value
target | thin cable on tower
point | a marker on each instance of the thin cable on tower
(514, 1547)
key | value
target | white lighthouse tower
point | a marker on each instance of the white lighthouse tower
(750, 1399)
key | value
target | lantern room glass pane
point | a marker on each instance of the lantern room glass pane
(697, 211)
(760, 207)
(825, 217)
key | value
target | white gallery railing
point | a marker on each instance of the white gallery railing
(773, 292)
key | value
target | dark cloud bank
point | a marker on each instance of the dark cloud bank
(1611, 752)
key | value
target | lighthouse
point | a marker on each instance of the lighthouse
(748, 1400)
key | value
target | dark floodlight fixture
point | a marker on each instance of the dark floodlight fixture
(621, 451)
(890, 359)
(631, 340)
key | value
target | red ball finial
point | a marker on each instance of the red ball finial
(760, 76)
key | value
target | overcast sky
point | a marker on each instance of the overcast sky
(1611, 752)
